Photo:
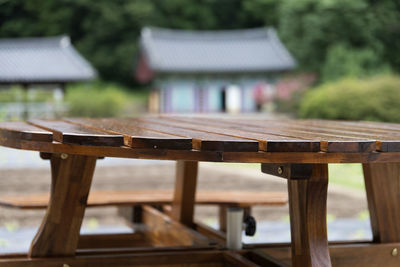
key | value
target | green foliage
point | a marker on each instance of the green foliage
(375, 99)
(96, 100)
(106, 32)
(344, 61)
(315, 31)
(17, 94)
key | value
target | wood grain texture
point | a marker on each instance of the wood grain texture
(19, 131)
(288, 170)
(160, 259)
(135, 136)
(307, 206)
(139, 134)
(209, 156)
(68, 133)
(153, 197)
(93, 241)
(344, 150)
(58, 234)
(290, 138)
(382, 184)
(344, 255)
(164, 231)
(185, 192)
(274, 142)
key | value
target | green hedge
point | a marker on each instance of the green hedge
(376, 98)
(99, 100)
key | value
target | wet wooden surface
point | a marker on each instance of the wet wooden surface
(238, 138)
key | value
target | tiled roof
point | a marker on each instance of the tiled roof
(47, 59)
(249, 50)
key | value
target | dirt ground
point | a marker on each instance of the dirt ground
(342, 203)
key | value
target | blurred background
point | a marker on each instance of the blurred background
(329, 59)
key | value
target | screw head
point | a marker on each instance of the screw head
(65, 265)
(395, 252)
(280, 170)
(64, 156)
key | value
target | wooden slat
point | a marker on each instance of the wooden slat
(235, 259)
(161, 259)
(355, 255)
(166, 232)
(93, 241)
(152, 197)
(385, 141)
(22, 131)
(202, 140)
(328, 142)
(68, 133)
(138, 137)
(267, 141)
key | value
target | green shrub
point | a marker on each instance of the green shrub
(96, 100)
(343, 61)
(376, 98)
(18, 94)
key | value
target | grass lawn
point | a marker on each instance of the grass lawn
(348, 175)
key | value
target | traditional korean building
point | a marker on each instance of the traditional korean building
(39, 63)
(42, 60)
(210, 71)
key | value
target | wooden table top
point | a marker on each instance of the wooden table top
(203, 138)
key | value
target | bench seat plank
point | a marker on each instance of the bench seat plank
(153, 197)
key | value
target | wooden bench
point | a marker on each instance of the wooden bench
(160, 198)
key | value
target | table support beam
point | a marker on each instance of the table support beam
(307, 206)
(58, 234)
(185, 192)
(382, 183)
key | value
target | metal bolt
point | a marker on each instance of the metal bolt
(65, 265)
(64, 156)
(154, 146)
(395, 252)
(280, 170)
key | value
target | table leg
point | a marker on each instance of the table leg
(59, 232)
(382, 184)
(307, 204)
(185, 192)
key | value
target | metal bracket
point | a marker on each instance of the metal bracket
(288, 170)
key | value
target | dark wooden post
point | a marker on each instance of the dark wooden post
(308, 192)
(185, 192)
(71, 179)
(382, 184)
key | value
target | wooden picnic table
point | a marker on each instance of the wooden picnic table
(297, 150)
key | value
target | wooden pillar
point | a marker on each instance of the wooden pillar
(308, 192)
(307, 205)
(58, 234)
(185, 192)
(382, 184)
